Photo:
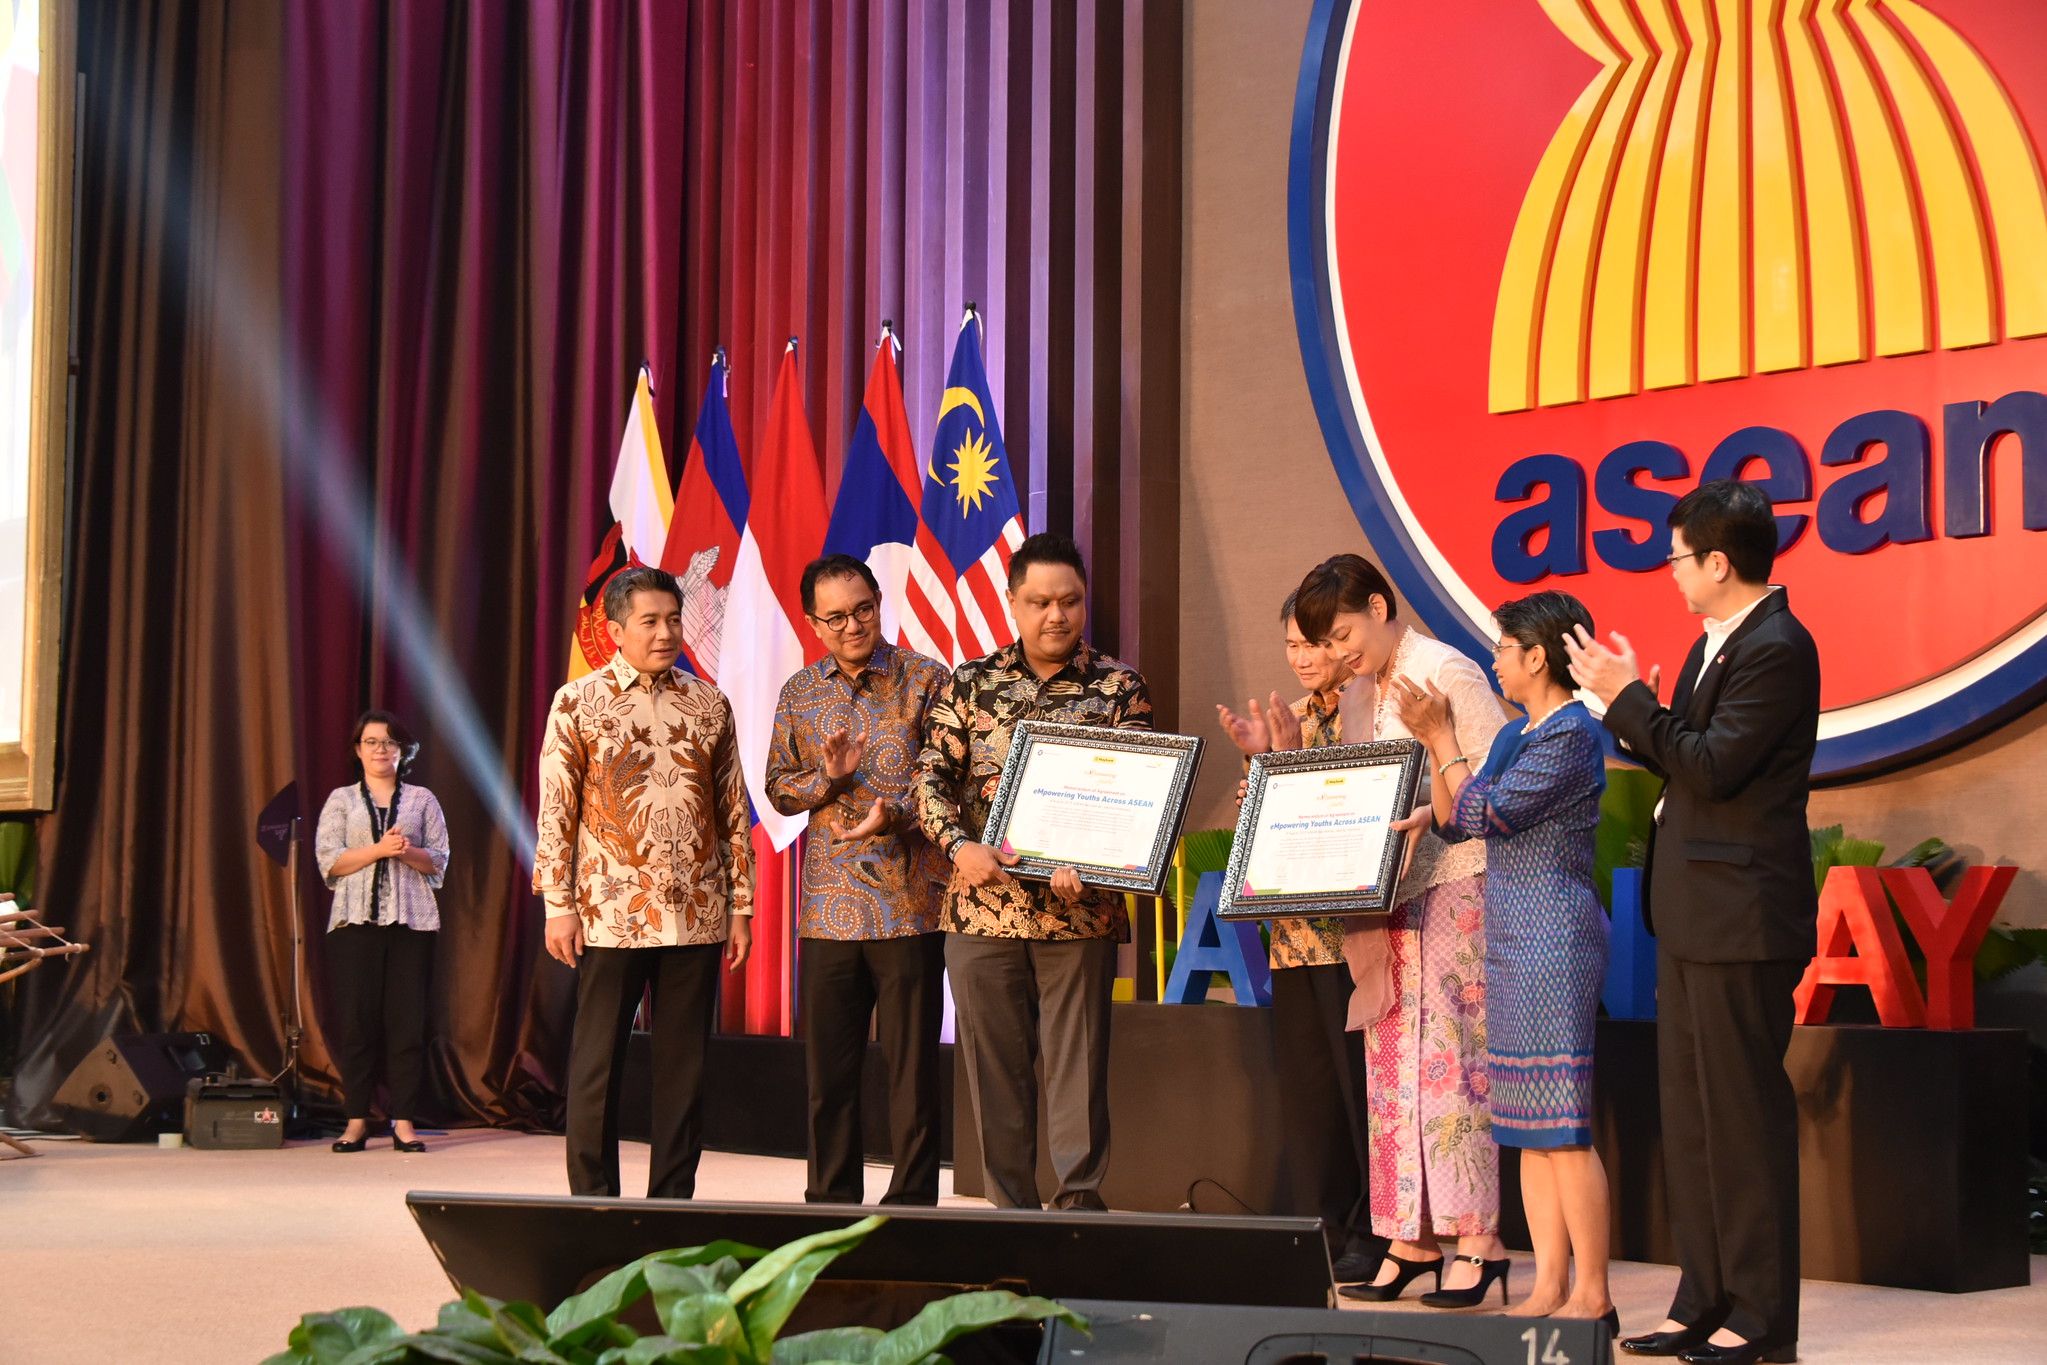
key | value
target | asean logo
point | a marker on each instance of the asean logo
(1557, 261)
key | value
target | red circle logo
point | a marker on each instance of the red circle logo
(1556, 261)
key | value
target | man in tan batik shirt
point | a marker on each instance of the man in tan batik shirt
(645, 859)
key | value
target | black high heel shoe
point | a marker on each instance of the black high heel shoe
(1613, 1322)
(399, 1144)
(1387, 1292)
(1488, 1271)
(356, 1146)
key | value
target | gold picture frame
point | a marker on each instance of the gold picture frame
(28, 767)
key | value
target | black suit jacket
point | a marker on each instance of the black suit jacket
(1730, 863)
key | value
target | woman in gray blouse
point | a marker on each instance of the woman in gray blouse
(383, 848)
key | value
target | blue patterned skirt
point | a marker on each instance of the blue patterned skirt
(1545, 966)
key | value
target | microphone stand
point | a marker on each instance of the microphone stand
(294, 1030)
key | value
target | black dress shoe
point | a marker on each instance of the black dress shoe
(1612, 1321)
(399, 1144)
(355, 1146)
(1747, 1353)
(1472, 1297)
(1391, 1290)
(1664, 1343)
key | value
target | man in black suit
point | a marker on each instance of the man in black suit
(1730, 898)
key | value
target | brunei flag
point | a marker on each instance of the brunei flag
(876, 520)
(970, 500)
(641, 505)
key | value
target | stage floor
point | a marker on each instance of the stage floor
(136, 1254)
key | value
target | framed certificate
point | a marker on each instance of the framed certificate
(1107, 803)
(1315, 837)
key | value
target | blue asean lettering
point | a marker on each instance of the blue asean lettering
(1561, 514)
(1983, 705)
(1615, 487)
(1901, 476)
(1972, 429)
(1789, 478)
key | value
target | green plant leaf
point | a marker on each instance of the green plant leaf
(950, 1319)
(1627, 812)
(434, 1346)
(330, 1338)
(457, 1319)
(288, 1358)
(2033, 941)
(688, 1313)
(768, 1292)
(521, 1328)
(2001, 954)
(662, 1350)
(831, 1346)
(575, 1318)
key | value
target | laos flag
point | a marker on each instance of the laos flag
(876, 520)
(970, 500)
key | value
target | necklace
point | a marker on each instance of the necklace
(1534, 721)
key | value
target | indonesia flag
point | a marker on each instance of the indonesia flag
(640, 510)
(970, 500)
(763, 642)
(875, 518)
(703, 533)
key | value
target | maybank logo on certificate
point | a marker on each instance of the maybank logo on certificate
(1321, 832)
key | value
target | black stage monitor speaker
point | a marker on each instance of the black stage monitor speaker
(132, 1086)
(543, 1249)
(1217, 1334)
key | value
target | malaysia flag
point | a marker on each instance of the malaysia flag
(876, 520)
(970, 500)
(703, 533)
(763, 641)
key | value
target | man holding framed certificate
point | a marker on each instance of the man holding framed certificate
(1033, 965)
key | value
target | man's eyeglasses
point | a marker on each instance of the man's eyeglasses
(1688, 554)
(838, 621)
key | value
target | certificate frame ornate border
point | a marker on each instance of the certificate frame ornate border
(1405, 752)
(1147, 881)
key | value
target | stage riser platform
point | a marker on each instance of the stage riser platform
(1912, 1142)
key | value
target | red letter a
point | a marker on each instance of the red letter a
(1855, 915)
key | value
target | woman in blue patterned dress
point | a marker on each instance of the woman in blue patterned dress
(1535, 803)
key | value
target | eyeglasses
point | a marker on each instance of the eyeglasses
(1688, 554)
(382, 746)
(1507, 644)
(837, 622)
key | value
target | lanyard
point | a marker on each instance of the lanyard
(379, 827)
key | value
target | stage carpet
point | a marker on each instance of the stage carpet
(137, 1254)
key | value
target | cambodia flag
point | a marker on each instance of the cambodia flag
(703, 534)
(640, 511)
(764, 639)
(970, 500)
(876, 520)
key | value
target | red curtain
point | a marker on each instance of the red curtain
(363, 286)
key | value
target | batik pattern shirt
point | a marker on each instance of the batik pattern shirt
(967, 740)
(1311, 942)
(407, 896)
(887, 885)
(645, 831)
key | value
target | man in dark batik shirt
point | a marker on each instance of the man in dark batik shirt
(1033, 967)
(847, 736)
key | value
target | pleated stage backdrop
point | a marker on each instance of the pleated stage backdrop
(363, 290)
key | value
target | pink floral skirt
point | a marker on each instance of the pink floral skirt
(1434, 1162)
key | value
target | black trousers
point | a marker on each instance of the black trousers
(379, 973)
(1322, 1099)
(609, 985)
(900, 982)
(1020, 1000)
(1730, 1143)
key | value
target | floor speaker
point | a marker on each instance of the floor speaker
(543, 1249)
(132, 1086)
(1220, 1334)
